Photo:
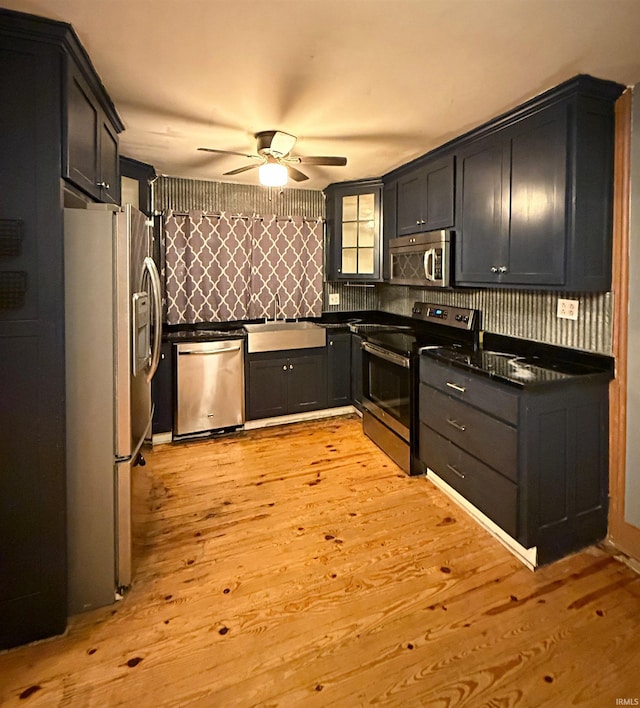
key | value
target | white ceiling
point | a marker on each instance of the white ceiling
(378, 81)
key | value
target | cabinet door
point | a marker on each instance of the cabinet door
(339, 369)
(537, 204)
(306, 383)
(267, 388)
(82, 155)
(481, 246)
(109, 164)
(425, 198)
(439, 191)
(356, 371)
(33, 549)
(389, 227)
(354, 231)
(162, 392)
(409, 210)
(90, 154)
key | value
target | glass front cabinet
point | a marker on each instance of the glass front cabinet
(354, 248)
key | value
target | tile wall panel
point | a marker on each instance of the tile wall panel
(519, 313)
(181, 194)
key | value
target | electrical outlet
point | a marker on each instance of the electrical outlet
(334, 298)
(568, 309)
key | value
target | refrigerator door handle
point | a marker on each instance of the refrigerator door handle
(154, 279)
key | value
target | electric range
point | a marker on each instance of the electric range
(391, 374)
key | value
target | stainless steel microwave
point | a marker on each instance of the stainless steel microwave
(423, 259)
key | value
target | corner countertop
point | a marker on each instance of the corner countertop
(526, 364)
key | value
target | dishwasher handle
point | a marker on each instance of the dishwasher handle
(207, 352)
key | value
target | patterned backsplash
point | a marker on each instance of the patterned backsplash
(516, 313)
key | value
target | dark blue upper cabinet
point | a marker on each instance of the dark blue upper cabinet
(425, 197)
(535, 193)
(354, 221)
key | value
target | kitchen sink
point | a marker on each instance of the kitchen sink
(280, 335)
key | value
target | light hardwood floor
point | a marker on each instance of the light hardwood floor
(298, 566)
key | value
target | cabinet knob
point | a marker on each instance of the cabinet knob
(290, 367)
(494, 269)
(330, 344)
(418, 222)
(284, 368)
(502, 269)
(104, 185)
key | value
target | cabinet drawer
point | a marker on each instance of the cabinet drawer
(490, 492)
(489, 396)
(481, 435)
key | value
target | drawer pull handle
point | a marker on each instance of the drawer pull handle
(461, 389)
(456, 425)
(455, 471)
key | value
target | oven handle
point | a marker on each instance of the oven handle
(394, 358)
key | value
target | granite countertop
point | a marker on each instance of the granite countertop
(210, 331)
(525, 364)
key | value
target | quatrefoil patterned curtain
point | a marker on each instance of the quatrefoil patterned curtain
(286, 260)
(222, 267)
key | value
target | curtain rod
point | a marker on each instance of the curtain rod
(257, 217)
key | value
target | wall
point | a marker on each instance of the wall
(187, 194)
(525, 314)
(632, 474)
(517, 313)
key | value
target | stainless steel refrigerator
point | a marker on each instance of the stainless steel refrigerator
(112, 340)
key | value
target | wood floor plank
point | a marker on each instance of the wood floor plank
(297, 565)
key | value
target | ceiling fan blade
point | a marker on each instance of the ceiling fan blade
(322, 160)
(227, 152)
(295, 174)
(238, 170)
(282, 143)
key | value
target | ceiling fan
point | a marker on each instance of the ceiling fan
(276, 162)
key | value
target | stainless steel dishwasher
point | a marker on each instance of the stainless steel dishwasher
(210, 386)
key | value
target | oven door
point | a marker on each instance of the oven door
(386, 387)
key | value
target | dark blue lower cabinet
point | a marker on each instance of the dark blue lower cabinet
(281, 383)
(338, 369)
(538, 468)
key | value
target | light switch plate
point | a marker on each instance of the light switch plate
(568, 309)
(334, 298)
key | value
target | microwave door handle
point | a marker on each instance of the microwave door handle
(429, 264)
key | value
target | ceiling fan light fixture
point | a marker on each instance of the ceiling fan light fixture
(273, 174)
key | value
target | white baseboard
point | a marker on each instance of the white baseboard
(528, 556)
(298, 417)
(162, 438)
